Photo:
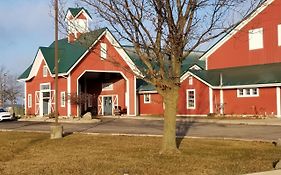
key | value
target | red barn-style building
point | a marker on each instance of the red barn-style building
(239, 75)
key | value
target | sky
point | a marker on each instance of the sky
(24, 26)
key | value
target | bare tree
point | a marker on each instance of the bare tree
(164, 33)
(10, 89)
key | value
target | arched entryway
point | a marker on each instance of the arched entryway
(102, 92)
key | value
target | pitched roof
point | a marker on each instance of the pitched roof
(76, 11)
(69, 53)
(191, 60)
(239, 76)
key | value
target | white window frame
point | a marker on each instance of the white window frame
(187, 99)
(242, 92)
(256, 39)
(45, 71)
(279, 34)
(42, 84)
(190, 80)
(107, 86)
(145, 97)
(62, 99)
(29, 101)
(103, 51)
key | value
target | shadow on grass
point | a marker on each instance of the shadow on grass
(182, 130)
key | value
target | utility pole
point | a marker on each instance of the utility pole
(56, 129)
(56, 61)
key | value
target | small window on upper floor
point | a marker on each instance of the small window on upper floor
(45, 71)
(103, 50)
(279, 34)
(256, 39)
(190, 80)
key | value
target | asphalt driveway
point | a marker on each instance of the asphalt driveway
(154, 127)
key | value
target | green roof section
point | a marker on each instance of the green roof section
(76, 11)
(246, 75)
(25, 74)
(69, 53)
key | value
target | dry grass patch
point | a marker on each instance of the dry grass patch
(34, 153)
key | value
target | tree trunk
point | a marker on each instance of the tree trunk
(169, 136)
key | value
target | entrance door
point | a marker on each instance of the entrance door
(46, 106)
(107, 105)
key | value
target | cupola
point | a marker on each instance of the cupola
(77, 22)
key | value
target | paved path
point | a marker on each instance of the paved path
(155, 127)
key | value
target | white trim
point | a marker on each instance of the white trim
(187, 99)
(195, 67)
(29, 101)
(135, 95)
(25, 98)
(279, 34)
(187, 74)
(278, 102)
(144, 98)
(127, 99)
(211, 100)
(221, 102)
(62, 100)
(146, 92)
(235, 30)
(102, 102)
(68, 95)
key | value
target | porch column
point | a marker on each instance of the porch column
(221, 102)
(68, 95)
(278, 102)
(211, 100)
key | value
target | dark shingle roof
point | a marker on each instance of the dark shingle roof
(69, 53)
(246, 75)
(76, 11)
(25, 74)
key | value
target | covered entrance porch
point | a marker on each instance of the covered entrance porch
(101, 93)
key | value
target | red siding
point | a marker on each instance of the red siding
(201, 98)
(92, 61)
(265, 103)
(235, 52)
(34, 85)
(155, 107)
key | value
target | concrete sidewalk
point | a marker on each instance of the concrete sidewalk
(273, 172)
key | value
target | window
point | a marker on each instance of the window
(29, 101)
(45, 86)
(107, 86)
(103, 50)
(279, 34)
(62, 99)
(248, 92)
(190, 80)
(45, 71)
(146, 98)
(256, 39)
(190, 99)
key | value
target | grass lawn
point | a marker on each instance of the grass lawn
(35, 154)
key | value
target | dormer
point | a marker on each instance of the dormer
(78, 22)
